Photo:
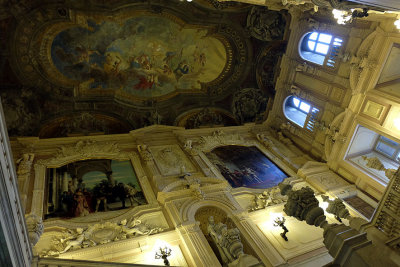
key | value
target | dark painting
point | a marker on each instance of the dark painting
(84, 187)
(246, 166)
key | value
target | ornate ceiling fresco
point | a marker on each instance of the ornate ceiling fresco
(96, 67)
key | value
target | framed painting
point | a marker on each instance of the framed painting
(246, 167)
(84, 187)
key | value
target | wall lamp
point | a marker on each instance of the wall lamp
(163, 253)
(280, 221)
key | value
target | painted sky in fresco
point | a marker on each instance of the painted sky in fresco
(246, 166)
(122, 172)
(143, 56)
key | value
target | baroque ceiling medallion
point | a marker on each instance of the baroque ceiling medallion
(143, 56)
(131, 55)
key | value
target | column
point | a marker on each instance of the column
(65, 182)
(197, 245)
(143, 180)
(264, 249)
(54, 187)
(38, 190)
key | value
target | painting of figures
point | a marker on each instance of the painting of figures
(84, 187)
(145, 56)
(246, 166)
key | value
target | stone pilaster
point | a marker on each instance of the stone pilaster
(196, 243)
(38, 190)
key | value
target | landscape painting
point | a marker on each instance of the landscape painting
(246, 167)
(84, 187)
(145, 56)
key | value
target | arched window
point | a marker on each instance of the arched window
(320, 48)
(301, 112)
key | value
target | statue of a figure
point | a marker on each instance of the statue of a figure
(25, 164)
(336, 207)
(374, 163)
(144, 152)
(267, 198)
(229, 245)
(268, 143)
(259, 202)
(138, 228)
(35, 228)
(266, 25)
(188, 144)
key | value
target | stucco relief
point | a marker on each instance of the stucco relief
(98, 234)
(219, 138)
(170, 160)
(267, 198)
(85, 149)
(326, 181)
(363, 60)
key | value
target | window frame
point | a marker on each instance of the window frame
(331, 58)
(395, 156)
(311, 117)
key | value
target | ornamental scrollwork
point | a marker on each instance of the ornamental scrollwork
(98, 234)
(85, 149)
(267, 198)
(218, 138)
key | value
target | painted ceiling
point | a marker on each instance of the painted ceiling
(96, 67)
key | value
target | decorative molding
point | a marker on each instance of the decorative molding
(17, 248)
(374, 110)
(87, 150)
(269, 197)
(84, 149)
(98, 234)
(220, 138)
(145, 153)
(171, 160)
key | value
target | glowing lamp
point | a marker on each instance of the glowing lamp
(396, 121)
(397, 24)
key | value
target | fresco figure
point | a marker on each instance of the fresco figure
(81, 206)
(101, 196)
(95, 189)
(126, 60)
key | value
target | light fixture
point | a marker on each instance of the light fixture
(280, 221)
(396, 121)
(342, 16)
(397, 24)
(347, 16)
(163, 253)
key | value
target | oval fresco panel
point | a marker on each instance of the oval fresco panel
(143, 56)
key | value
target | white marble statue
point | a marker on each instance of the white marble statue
(229, 245)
